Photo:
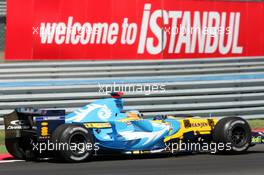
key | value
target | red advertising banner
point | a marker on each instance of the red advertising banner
(133, 29)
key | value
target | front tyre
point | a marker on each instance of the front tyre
(233, 131)
(76, 143)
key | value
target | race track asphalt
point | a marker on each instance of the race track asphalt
(251, 163)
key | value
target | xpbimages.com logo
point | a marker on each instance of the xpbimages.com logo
(197, 147)
(64, 146)
(146, 89)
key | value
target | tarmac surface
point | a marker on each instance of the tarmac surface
(250, 163)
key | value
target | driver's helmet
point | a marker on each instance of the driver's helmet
(134, 114)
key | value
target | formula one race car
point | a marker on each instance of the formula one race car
(103, 127)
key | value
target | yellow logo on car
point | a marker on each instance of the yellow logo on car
(44, 129)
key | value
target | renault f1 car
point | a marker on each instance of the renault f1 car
(103, 126)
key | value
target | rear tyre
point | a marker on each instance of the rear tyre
(77, 140)
(235, 132)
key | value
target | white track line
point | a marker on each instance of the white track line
(9, 161)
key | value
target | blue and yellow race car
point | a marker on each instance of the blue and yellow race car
(103, 127)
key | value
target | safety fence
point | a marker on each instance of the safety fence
(200, 87)
(2, 25)
(2, 8)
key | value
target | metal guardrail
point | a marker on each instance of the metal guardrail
(2, 8)
(204, 87)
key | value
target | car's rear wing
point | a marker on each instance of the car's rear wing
(38, 122)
